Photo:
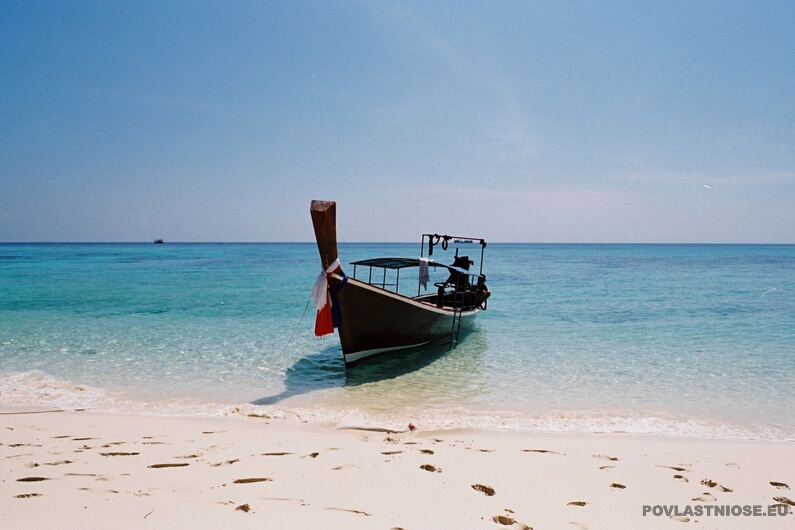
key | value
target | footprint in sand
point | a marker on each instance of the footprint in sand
(779, 485)
(58, 463)
(431, 468)
(227, 463)
(488, 490)
(20, 456)
(542, 451)
(509, 521)
(251, 480)
(244, 508)
(311, 455)
(277, 454)
(784, 500)
(617, 486)
(680, 519)
(576, 503)
(27, 495)
(712, 484)
(426, 451)
(675, 468)
(681, 478)
(705, 497)
(605, 457)
(119, 454)
(160, 466)
(359, 512)
(32, 479)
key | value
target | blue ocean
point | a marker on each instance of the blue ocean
(687, 340)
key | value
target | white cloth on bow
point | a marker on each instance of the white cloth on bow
(321, 285)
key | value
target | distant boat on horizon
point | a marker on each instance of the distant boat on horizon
(159, 241)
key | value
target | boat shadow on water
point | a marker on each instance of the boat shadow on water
(326, 369)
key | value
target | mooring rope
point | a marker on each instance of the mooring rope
(281, 352)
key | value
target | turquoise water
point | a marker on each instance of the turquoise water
(666, 339)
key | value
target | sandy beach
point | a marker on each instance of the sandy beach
(77, 469)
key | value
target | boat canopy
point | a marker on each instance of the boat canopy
(404, 263)
(394, 263)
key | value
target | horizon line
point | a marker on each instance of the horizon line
(387, 243)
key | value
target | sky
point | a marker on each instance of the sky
(527, 121)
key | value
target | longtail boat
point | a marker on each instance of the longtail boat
(373, 315)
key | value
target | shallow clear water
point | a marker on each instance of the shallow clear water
(693, 339)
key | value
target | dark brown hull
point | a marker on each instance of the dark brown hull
(375, 320)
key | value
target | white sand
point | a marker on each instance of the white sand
(84, 470)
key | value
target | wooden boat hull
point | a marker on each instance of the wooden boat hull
(375, 320)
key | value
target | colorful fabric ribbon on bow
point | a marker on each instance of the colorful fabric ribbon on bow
(324, 323)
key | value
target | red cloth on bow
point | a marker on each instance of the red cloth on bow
(324, 323)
